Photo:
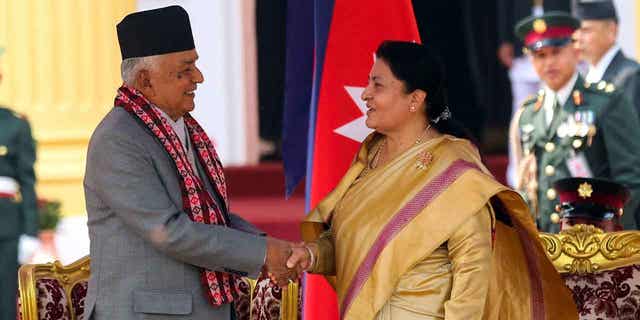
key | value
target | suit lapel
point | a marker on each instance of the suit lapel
(612, 68)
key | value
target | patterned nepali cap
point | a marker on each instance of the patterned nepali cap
(554, 29)
(154, 32)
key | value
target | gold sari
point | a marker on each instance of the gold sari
(432, 235)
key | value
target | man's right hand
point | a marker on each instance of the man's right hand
(278, 252)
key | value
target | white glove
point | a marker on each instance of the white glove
(27, 246)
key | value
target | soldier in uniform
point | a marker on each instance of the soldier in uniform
(597, 43)
(18, 212)
(571, 128)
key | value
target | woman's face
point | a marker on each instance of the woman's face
(390, 107)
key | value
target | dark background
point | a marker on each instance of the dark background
(463, 32)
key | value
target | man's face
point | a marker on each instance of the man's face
(173, 83)
(555, 65)
(595, 37)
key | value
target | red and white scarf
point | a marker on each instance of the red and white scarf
(221, 287)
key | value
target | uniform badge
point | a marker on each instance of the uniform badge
(577, 97)
(563, 130)
(539, 26)
(3, 150)
(585, 190)
(601, 85)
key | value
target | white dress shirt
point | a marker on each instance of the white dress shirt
(596, 72)
(181, 131)
(562, 95)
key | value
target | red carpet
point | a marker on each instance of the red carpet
(257, 194)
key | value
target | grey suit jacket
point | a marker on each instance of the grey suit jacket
(146, 254)
(624, 73)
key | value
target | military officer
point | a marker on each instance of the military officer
(571, 128)
(597, 44)
(18, 212)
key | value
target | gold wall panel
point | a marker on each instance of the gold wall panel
(61, 69)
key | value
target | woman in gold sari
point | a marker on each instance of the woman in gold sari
(418, 228)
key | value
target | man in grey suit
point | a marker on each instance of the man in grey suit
(597, 43)
(163, 242)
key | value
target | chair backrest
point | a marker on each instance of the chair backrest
(53, 291)
(602, 269)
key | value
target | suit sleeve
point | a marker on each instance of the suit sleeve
(239, 223)
(621, 133)
(25, 158)
(470, 255)
(122, 174)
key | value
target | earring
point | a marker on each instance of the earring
(412, 108)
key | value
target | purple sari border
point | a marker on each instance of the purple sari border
(422, 199)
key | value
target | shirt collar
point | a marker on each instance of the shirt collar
(178, 125)
(596, 72)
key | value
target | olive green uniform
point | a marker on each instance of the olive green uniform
(18, 213)
(596, 126)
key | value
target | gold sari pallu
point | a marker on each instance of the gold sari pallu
(388, 221)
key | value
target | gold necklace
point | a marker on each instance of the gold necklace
(379, 156)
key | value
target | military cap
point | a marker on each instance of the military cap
(554, 28)
(588, 200)
(154, 32)
(595, 10)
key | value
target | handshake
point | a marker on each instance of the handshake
(287, 261)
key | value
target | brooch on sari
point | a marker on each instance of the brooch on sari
(424, 159)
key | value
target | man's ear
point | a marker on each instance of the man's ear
(143, 83)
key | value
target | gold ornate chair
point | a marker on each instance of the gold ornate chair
(53, 291)
(602, 269)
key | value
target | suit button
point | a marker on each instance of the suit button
(577, 143)
(549, 170)
(555, 218)
(551, 194)
(549, 147)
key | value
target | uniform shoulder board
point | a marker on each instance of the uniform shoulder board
(529, 101)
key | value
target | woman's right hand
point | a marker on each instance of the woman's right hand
(302, 257)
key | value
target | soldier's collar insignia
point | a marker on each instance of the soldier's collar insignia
(585, 190)
(577, 97)
(539, 26)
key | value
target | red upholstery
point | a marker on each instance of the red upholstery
(613, 294)
(52, 301)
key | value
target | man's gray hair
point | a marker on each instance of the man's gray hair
(130, 67)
